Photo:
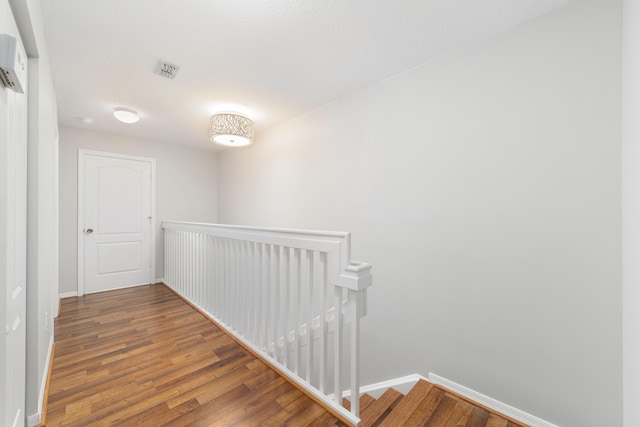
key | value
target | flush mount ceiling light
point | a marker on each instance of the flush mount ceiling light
(126, 116)
(232, 130)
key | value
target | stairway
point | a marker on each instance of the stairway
(427, 405)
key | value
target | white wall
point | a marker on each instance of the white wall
(42, 213)
(484, 187)
(13, 240)
(5, 414)
(631, 211)
(42, 266)
(186, 188)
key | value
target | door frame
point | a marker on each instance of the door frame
(80, 223)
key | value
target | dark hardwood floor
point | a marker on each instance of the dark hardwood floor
(143, 357)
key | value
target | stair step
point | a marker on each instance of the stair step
(426, 408)
(408, 405)
(426, 404)
(378, 410)
(365, 400)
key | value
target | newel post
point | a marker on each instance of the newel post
(357, 278)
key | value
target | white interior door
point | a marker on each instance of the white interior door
(115, 221)
(13, 250)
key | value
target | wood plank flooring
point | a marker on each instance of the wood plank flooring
(142, 356)
(428, 405)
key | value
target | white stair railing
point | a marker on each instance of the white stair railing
(294, 297)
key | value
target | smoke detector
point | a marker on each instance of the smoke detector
(166, 69)
(13, 64)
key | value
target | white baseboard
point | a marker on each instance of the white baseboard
(402, 384)
(75, 293)
(34, 419)
(69, 294)
(489, 402)
(406, 383)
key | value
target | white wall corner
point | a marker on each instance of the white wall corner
(489, 402)
(34, 419)
(158, 280)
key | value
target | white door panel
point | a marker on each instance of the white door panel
(13, 245)
(119, 257)
(120, 199)
(115, 221)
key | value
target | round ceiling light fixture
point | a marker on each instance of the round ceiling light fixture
(231, 130)
(126, 115)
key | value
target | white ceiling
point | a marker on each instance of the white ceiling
(269, 59)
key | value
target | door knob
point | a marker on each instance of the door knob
(88, 230)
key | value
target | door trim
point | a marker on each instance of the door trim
(81, 156)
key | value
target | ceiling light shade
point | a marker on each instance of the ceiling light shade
(232, 130)
(126, 116)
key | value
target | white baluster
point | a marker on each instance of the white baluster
(206, 255)
(243, 297)
(213, 257)
(337, 347)
(310, 272)
(200, 261)
(198, 268)
(255, 293)
(276, 302)
(213, 274)
(240, 290)
(225, 281)
(187, 269)
(261, 298)
(286, 305)
(181, 261)
(176, 264)
(186, 265)
(249, 292)
(167, 257)
(180, 277)
(248, 297)
(216, 276)
(190, 265)
(203, 270)
(172, 259)
(323, 322)
(355, 352)
(230, 285)
(233, 286)
(194, 267)
(297, 348)
(219, 292)
(269, 298)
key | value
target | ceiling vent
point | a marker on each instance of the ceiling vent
(166, 69)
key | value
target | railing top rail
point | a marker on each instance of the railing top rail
(345, 272)
(317, 233)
